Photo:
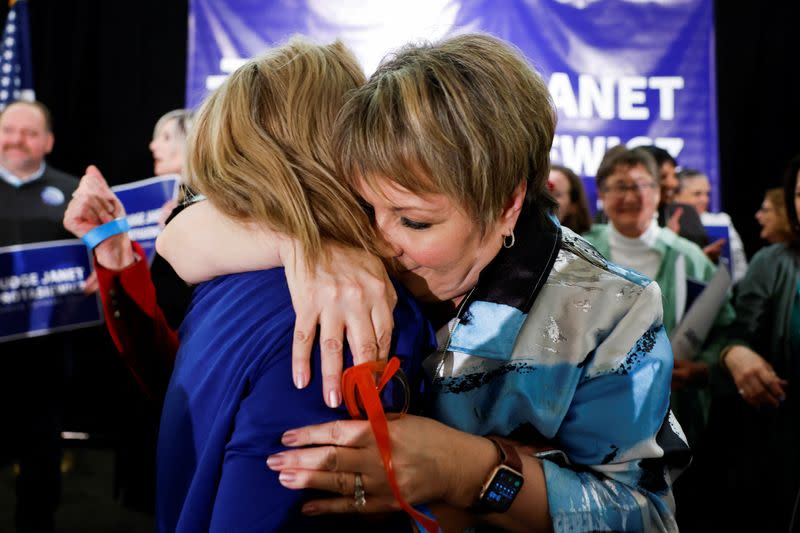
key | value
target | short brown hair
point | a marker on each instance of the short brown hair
(260, 148)
(466, 117)
(626, 157)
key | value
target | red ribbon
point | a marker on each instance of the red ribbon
(361, 378)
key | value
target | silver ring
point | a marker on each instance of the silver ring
(360, 496)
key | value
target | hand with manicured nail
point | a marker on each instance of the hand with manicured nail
(353, 303)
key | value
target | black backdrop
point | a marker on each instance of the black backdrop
(109, 69)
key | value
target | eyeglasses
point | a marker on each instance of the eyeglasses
(620, 189)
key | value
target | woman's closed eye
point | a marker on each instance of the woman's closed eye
(413, 224)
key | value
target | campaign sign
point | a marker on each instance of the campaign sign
(143, 201)
(619, 71)
(41, 284)
(41, 289)
(715, 233)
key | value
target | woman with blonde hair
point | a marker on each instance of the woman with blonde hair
(261, 152)
(772, 217)
(549, 387)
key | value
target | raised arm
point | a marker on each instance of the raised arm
(348, 294)
(136, 323)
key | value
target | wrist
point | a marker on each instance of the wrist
(115, 253)
(730, 356)
(472, 462)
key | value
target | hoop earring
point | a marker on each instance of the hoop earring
(509, 242)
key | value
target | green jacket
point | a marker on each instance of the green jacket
(691, 405)
(764, 300)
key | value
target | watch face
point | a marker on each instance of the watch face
(502, 490)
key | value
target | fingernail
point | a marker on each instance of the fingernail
(289, 438)
(286, 477)
(274, 461)
(300, 380)
(309, 508)
(333, 398)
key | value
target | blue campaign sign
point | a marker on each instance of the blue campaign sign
(143, 201)
(41, 284)
(715, 233)
(41, 289)
(619, 71)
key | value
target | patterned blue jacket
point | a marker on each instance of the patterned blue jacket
(555, 344)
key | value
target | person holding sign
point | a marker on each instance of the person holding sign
(33, 196)
(540, 339)
(142, 320)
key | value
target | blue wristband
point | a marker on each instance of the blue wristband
(101, 233)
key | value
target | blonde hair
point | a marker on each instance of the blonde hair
(183, 121)
(777, 198)
(466, 117)
(260, 149)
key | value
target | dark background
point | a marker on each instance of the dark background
(109, 69)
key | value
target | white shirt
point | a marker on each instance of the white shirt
(636, 253)
(16, 181)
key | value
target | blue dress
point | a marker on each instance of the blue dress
(231, 398)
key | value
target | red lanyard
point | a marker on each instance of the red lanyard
(361, 378)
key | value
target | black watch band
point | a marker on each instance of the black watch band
(503, 483)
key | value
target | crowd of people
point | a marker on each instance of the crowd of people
(416, 214)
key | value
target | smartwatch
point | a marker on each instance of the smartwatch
(503, 483)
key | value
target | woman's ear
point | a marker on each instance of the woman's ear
(508, 218)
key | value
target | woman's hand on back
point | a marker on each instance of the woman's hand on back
(350, 296)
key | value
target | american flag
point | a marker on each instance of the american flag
(16, 72)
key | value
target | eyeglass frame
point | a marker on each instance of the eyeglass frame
(620, 189)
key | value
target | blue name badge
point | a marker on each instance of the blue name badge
(143, 201)
(41, 289)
